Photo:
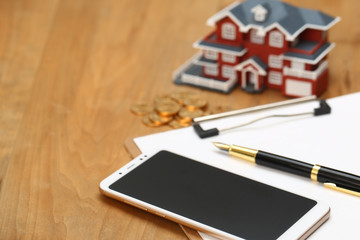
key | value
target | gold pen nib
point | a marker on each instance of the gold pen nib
(222, 146)
(237, 151)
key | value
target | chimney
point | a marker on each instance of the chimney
(260, 13)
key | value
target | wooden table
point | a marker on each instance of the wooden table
(69, 72)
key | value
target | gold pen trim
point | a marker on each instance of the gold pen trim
(314, 172)
(243, 153)
(344, 190)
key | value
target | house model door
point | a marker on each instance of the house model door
(250, 80)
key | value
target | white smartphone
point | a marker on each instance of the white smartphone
(214, 201)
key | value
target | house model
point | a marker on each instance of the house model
(262, 43)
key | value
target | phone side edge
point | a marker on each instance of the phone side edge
(318, 223)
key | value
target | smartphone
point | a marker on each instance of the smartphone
(211, 200)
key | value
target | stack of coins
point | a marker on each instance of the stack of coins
(175, 110)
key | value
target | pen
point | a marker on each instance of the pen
(331, 178)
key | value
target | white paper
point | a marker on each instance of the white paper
(330, 140)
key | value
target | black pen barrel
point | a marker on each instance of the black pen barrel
(341, 179)
(284, 163)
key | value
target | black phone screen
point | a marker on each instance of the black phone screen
(217, 198)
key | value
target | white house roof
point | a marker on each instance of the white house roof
(287, 18)
(256, 62)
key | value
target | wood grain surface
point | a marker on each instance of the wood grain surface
(69, 72)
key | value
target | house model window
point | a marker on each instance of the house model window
(259, 13)
(275, 78)
(276, 39)
(275, 61)
(228, 71)
(228, 31)
(212, 55)
(228, 58)
(210, 70)
(298, 65)
(255, 37)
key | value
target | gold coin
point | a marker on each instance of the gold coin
(195, 103)
(185, 124)
(162, 99)
(177, 124)
(147, 121)
(185, 120)
(141, 109)
(157, 119)
(168, 108)
(187, 115)
(180, 97)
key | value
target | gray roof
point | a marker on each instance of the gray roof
(289, 17)
(259, 62)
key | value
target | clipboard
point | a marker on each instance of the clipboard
(134, 151)
(330, 140)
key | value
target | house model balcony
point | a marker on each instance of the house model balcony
(259, 44)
